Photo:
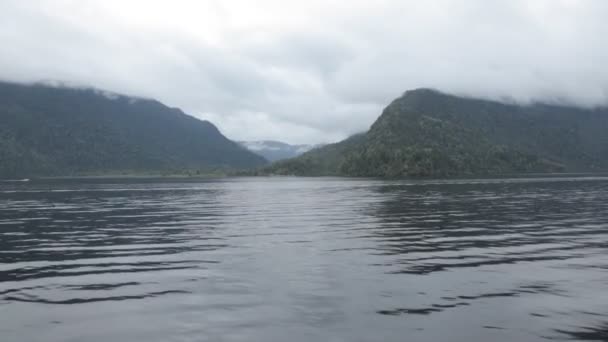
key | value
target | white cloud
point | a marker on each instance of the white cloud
(309, 71)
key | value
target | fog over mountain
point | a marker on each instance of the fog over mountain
(276, 150)
(58, 131)
(432, 134)
(310, 71)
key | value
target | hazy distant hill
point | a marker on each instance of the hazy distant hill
(276, 150)
(66, 131)
(428, 133)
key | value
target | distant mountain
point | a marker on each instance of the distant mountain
(276, 150)
(47, 130)
(429, 133)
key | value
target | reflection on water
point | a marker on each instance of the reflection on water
(597, 333)
(265, 259)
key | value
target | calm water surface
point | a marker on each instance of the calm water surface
(276, 259)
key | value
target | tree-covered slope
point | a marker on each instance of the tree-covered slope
(66, 131)
(428, 133)
(572, 136)
(321, 161)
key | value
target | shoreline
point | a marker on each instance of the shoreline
(228, 176)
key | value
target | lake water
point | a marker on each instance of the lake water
(304, 259)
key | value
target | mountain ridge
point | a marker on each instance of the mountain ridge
(69, 131)
(426, 132)
(274, 150)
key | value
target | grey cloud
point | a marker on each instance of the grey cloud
(317, 52)
(490, 49)
(318, 72)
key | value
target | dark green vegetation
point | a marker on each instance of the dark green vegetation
(65, 131)
(428, 133)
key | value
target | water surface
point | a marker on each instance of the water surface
(304, 259)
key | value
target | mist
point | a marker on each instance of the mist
(314, 71)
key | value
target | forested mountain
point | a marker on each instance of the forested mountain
(429, 133)
(275, 150)
(48, 130)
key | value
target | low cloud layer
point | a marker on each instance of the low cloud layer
(310, 71)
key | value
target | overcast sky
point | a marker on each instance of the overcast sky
(309, 71)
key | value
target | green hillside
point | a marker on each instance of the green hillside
(428, 133)
(65, 131)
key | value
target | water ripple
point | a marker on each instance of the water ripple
(259, 259)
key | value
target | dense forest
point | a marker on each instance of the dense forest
(429, 133)
(66, 131)
(47, 131)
